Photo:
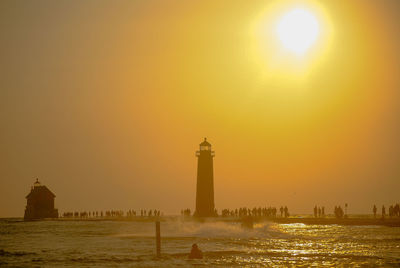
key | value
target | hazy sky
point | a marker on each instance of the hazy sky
(106, 102)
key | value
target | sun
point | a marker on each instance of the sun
(298, 30)
(289, 41)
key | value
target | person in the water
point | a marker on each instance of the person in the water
(195, 253)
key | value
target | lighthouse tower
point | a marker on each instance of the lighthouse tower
(205, 181)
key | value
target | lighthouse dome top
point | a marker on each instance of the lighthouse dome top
(205, 143)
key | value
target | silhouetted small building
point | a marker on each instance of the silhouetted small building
(40, 203)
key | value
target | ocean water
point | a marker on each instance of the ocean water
(132, 244)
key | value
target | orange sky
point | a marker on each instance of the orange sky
(106, 102)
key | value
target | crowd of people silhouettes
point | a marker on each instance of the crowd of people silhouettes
(338, 212)
(319, 212)
(112, 214)
(185, 212)
(394, 211)
(267, 212)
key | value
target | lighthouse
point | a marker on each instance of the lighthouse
(205, 181)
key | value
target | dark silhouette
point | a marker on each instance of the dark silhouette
(396, 210)
(205, 181)
(267, 212)
(286, 212)
(383, 212)
(186, 212)
(40, 203)
(195, 253)
(339, 213)
(158, 239)
(374, 210)
(319, 212)
(111, 214)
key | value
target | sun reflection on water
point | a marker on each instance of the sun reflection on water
(268, 244)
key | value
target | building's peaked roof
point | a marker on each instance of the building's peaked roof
(205, 143)
(40, 190)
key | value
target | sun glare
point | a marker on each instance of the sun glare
(298, 30)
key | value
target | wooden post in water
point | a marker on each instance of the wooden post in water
(158, 239)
